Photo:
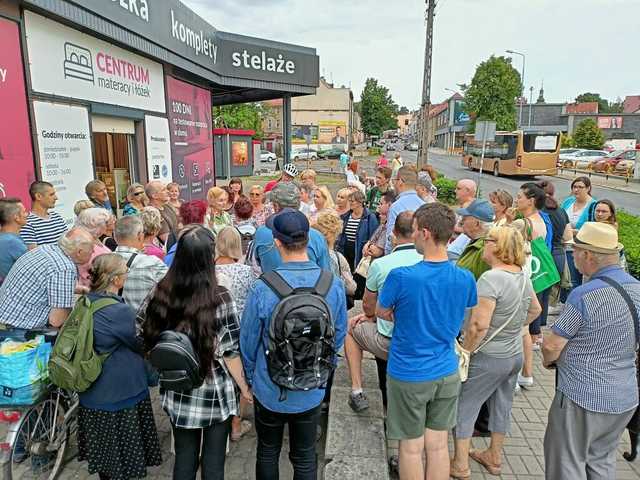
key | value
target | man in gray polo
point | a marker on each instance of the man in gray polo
(593, 344)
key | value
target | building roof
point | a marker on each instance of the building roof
(583, 107)
(438, 109)
(631, 104)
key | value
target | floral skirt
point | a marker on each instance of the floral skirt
(120, 445)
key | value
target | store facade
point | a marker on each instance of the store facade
(123, 91)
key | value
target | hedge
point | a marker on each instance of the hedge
(629, 225)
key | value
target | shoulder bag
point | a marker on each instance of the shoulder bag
(464, 356)
(544, 273)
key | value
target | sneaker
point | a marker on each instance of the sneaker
(517, 390)
(525, 382)
(358, 402)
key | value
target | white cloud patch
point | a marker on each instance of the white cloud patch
(574, 45)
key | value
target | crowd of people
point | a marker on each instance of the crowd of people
(195, 267)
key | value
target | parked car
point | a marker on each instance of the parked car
(625, 167)
(391, 146)
(332, 153)
(267, 156)
(582, 159)
(608, 164)
(412, 147)
(304, 154)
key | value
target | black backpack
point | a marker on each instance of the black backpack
(176, 361)
(301, 350)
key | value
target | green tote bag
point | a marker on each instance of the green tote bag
(544, 273)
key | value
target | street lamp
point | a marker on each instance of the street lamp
(512, 52)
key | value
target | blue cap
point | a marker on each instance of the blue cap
(480, 209)
(289, 226)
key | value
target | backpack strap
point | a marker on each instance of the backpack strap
(102, 303)
(323, 285)
(129, 263)
(276, 283)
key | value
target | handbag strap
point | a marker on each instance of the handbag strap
(511, 317)
(129, 263)
(627, 298)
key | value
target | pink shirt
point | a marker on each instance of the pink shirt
(83, 270)
(154, 251)
(383, 162)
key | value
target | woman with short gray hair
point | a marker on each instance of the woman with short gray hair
(93, 220)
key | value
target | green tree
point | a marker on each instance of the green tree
(568, 141)
(492, 92)
(588, 135)
(377, 108)
(403, 110)
(247, 116)
(604, 105)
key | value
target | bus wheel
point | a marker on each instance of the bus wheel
(496, 170)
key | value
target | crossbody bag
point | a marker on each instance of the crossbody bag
(464, 356)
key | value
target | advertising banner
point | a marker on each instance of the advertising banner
(333, 133)
(158, 148)
(239, 154)
(174, 26)
(610, 122)
(64, 145)
(16, 154)
(191, 138)
(71, 64)
(460, 117)
(298, 133)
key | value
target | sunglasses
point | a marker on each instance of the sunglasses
(137, 194)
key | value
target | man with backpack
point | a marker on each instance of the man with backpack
(294, 321)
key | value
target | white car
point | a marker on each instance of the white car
(304, 154)
(267, 156)
(583, 159)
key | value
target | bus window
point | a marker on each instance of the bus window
(534, 142)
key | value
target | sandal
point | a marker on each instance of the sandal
(482, 458)
(459, 474)
(245, 427)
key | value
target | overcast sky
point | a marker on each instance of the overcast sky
(573, 45)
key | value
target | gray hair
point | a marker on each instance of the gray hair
(93, 220)
(286, 195)
(307, 188)
(128, 228)
(78, 238)
(151, 220)
(153, 187)
(484, 226)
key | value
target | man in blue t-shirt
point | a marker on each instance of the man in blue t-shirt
(427, 303)
(13, 216)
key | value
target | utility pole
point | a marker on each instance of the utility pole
(426, 86)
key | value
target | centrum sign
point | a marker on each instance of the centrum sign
(173, 26)
(69, 63)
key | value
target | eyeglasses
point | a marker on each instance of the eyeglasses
(255, 194)
(579, 187)
(137, 194)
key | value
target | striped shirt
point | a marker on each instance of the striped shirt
(144, 274)
(43, 231)
(351, 230)
(597, 369)
(406, 201)
(40, 280)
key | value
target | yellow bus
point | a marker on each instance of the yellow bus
(515, 153)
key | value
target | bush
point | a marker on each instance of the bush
(588, 135)
(629, 226)
(446, 190)
(373, 151)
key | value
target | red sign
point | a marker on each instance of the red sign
(610, 122)
(189, 109)
(16, 154)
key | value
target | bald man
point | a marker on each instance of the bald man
(466, 190)
(159, 197)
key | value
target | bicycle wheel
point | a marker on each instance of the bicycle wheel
(38, 450)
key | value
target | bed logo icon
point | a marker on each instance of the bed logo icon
(78, 63)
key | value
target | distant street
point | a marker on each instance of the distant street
(450, 167)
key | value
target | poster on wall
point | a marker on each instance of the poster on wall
(158, 148)
(16, 155)
(68, 63)
(239, 154)
(610, 122)
(64, 146)
(332, 133)
(298, 133)
(191, 138)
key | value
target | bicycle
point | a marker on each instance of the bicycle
(38, 435)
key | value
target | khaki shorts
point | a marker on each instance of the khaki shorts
(412, 407)
(370, 340)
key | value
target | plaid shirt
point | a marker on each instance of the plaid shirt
(217, 398)
(144, 274)
(40, 280)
